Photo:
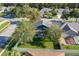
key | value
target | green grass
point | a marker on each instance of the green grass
(73, 47)
(72, 53)
(27, 45)
(48, 45)
(3, 25)
(54, 17)
(2, 14)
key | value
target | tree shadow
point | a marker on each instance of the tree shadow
(37, 42)
(56, 46)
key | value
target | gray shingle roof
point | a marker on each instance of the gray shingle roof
(45, 10)
(73, 26)
(45, 23)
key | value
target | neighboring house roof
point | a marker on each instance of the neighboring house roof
(60, 11)
(4, 9)
(73, 26)
(43, 23)
(45, 53)
(43, 10)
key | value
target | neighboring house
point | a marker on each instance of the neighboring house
(71, 34)
(6, 9)
(44, 24)
(41, 26)
(45, 10)
(60, 11)
(71, 29)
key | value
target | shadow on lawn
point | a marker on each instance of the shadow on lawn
(37, 42)
(56, 46)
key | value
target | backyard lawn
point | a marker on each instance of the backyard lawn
(37, 44)
(48, 45)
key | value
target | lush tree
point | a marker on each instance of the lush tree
(54, 13)
(34, 15)
(25, 10)
(26, 31)
(54, 33)
(47, 15)
(17, 11)
(75, 13)
(65, 14)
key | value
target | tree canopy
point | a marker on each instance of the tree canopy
(26, 31)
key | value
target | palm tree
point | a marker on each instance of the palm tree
(75, 13)
(26, 31)
(17, 11)
(34, 15)
(25, 10)
(54, 33)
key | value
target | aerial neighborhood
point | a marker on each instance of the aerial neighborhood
(43, 29)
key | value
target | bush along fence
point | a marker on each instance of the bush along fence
(4, 24)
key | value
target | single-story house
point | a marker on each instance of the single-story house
(41, 26)
(60, 11)
(45, 10)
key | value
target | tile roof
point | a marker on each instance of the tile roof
(45, 53)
